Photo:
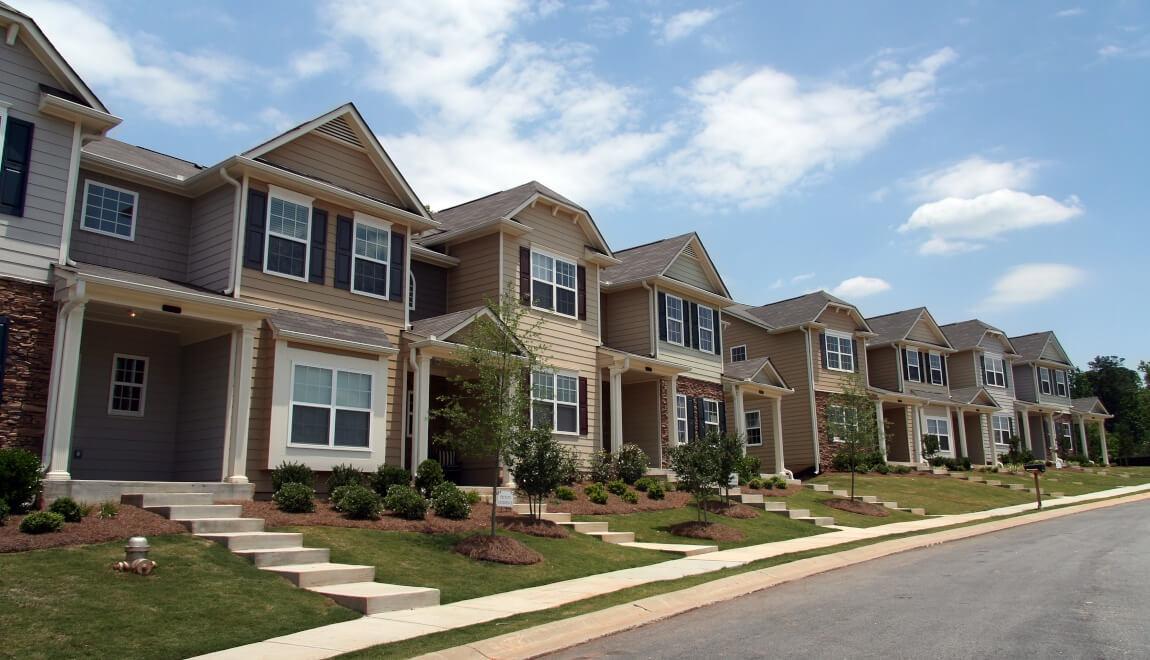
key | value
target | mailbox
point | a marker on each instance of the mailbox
(1036, 466)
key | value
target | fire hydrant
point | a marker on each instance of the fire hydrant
(136, 557)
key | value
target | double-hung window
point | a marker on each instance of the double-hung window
(129, 383)
(288, 239)
(330, 407)
(940, 428)
(710, 416)
(706, 329)
(555, 402)
(681, 417)
(995, 370)
(370, 271)
(553, 284)
(935, 368)
(1061, 383)
(841, 418)
(1002, 428)
(913, 365)
(110, 210)
(675, 319)
(1068, 434)
(754, 428)
(739, 353)
(1044, 380)
(840, 352)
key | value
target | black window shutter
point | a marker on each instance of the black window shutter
(662, 300)
(524, 275)
(318, 257)
(982, 365)
(395, 286)
(692, 422)
(855, 353)
(581, 290)
(694, 325)
(254, 232)
(4, 325)
(582, 406)
(723, 417)
(945, 376)
(14, 167)
(1005, 373)
(718, 331)
(823, 347)
(344, 230)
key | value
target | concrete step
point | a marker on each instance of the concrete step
(557, 517)
(374, 597)
(918, 511)
(525, 509)
(586, 527)
(749, 498)
(323, 574)
(841, 493)
(993, 482)
(145, 500)
(1057, 494)
(286, 556)
(771, 505)
(867, 499)
(676, 548)
(976, 479)
(818, 521)
(889, 505)
(819, 488)
(940, 471)
(795, 513)
(256, 540)
(192, 511)
(960, 475)
(217, 525)
(1014, 486)
(614, 537)
(923, 468)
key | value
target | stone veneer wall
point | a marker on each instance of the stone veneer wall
(31, 328)
(664, 430)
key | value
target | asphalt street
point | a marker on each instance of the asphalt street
(1075, 587)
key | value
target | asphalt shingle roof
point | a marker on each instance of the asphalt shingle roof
(322, 326)
(745, 369)
(1030, 346)
(966, 334)
(489, 209)
(793, 311)
(643, 261)
(146, 158)
(435, 326)
(967, 395)
(894, 326)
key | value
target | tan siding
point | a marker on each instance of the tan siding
(836, 319)
(704, 366)
(883, 371)
(766, 452)
(961, 369)
(994, 343)
(210, 238)
(828, 379)
(336, 163)
(476, 279)
(688, 269)
(627, 320)
(259, 421)
(199, 454)
(641, 414)
(922, 331)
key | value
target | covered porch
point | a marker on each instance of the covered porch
(756, 390)
(1039, 424)
(973, 412)
(1090, 409)
(637, 391)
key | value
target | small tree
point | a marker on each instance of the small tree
(930, 447)
(696, 464)
(730, 450)
(851, 418)
(538, 464)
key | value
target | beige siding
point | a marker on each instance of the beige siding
(883, 364)
(1025, 387)
(259, 423)
(203, 410)
(766, 452)
(210, 238)
(627, 320)
(641, 417)
(828, 379)
(704, 365)
(476, 279)
(962, 369)
(688, 269)
(994, 343)
(923, 331)
(336, 163)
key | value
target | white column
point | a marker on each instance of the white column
(880, 428)
(1102, 436)
(616, 408)
(1082, 437)
(920, 430)
(740, 415)
(962, 434)
(243, 347)
(991, 455)
(422, 380)
(910, 418)
(1026, 431)
(1052, 438)
(672, 425)
(777, 419)
(62, 391)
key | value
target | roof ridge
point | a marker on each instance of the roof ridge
(654, 242)
(800, 296)
(901, 311)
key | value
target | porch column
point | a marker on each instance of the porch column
(912, 440)
(243, 345)
(991, 455)
(419, 449)
(962, 434)
(672, 425)
(1082, 437)
(740, 415)
(616, 408)
(920, 430)
(62, 391)
(777, 419)
(1102, 436)
(1052, 439)
(880, 427)
(1026, 431)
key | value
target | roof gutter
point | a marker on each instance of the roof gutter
(811, 393)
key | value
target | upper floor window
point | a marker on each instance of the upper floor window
(1061, 383)
(913, 365)
(289, 234)
(553, 284)
(839, 352)
(994, 370)
(936, 373)
(738, 353)
(674, 319)
(555, 402)
(15, 161)
(754, 428)
(109, 210)
(681, 417)
(711, 416)
(706, 329)
(129, 382)
(1044, 380)
(370, 269)
(411, 291)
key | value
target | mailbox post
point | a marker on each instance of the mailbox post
(1036, 468)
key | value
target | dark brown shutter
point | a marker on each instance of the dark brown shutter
(945, 376)
(582, 406)
(982, 364)
(718, 331)
(318, 258)
(692, 419)
(254, 230)
(344, 231)
(581, 291)
(525, 275)
(1005, 373)
(855, 352)
(694, 315)
(723, 417)
(823, 347)
(4, 325)
(14, 166)
(396, 282)
(662, 305)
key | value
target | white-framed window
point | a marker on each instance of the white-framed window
(995, 370)
(1067, 433)
(287, 241)
(126, 396)
(739, 353)
(1062, 383)
(841, 417)
(754, 428)
(553, 284)
(706, 329)
(555, 402)
(1002, 429)
(710, 416)
(675, 315)
(1044, 380)
(681, 417)
(940, 428)
(913, 365)
(109, 210)
(935, 361)
(840, 351)
(370, 269)
(411, 290)
(330, 407)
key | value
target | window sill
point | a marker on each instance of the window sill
(285, 275)
(840, 370)
(551, 312)
(368, 294)
(130, 239)
(292, 445)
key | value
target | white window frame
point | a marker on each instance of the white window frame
(555, 402)
(411, 290)
(1045, 383)
(917, 366)
(832, 409)
(554, 283)
(681, 432)
(299, 200)
(989, 360)
(995, 431)
(333, 406)
(841, 339)
(706, 342)
(756, 426)
(667, 298)
(931, 356)
(742, 347)
(706, 412)
(949, 437)
(385, 227)
(143, 386)
(1061, 383)
(1067, 432)
(87, 188)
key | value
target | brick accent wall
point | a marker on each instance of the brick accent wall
(692, 387)
(664, 411)
(827, 447)
(32, 327)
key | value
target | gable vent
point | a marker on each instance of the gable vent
(689, 251)
(339, 129)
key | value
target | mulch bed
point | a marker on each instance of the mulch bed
(581, 506)
(710, 531)
(731, 510)
(129, 522)
(854, 506)
(500, 549)
(542, 528)
(772, 492)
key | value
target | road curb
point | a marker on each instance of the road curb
(559, 635)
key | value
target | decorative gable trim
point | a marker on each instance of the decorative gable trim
(694, 249)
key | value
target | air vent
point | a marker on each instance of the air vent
(339, 129)
(690, 251)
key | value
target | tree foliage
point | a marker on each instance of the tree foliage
(537, 462)
(1123, 392)
(697, 466)
(851, 417)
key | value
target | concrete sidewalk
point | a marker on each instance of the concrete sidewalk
(332, 640)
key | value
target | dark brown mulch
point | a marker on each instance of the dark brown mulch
(542, 528)
(325, 516)
(581, 506)
(732, 510)
(500, 549)
(854, 506)
(129, 522)
(773, 492)
(712, 531)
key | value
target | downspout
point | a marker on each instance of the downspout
(811, 394)
(233, 269)
(652, 312)
(70, 196)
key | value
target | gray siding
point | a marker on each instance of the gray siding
(199, 451)
(210, 238)
(1024, 385)
(430, 290)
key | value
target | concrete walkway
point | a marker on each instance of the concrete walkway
(332, 640)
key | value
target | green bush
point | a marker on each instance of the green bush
(42, 522)
(749, 468)
(68, 508)
(757, 483)
(292, 473)
(601, 467)
(865, 460)
(779, 482)
(387, 476)
(564, 493)
(335, 497)
(630, 463)
(428, 475)
(902, 469)
(569, 469)
(473, 498)
(406, 502)
(108, 510)
(617, 487)
(295, 497)
(449, 502)
(882, 468)
(359, 502)
(630, 497)
(656, 491)
(3, 512)
(642, 484)
(1018, 453)
(345, 475)
(20, 476)
(596, 492)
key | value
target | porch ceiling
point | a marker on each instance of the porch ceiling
(189, 330)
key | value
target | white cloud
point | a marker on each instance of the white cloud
(959, 225)
(277, 119)
(756, 133)
(683, 24)
(973, 176)
(1111, 50)
(1032, 283)
(1070, 13)
(777, 284)
(860, 286)
(802, 277)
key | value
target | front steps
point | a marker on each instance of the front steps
(977, 479)
(602, 531)
(283, 553)
(760, 501)
(869, 499)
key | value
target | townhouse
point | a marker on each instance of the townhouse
(984, 357)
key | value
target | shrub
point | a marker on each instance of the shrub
(757, 483)
(569, 468)
(360, 502)
(617, 487)
(292, 473)
(630, 497)
(295, 497)
(68, 508)
(108, 510)
(406, 502)
(428, 475)
(345, 475)
(42, 522)
(902, 469)
(449, 502)
(536, 461)
(642, 484)
(656, 491)
(749, 469)
(882, 468)
(779, 482)
(387, 476)
(630, 463)
(601, 467)
(473, 497)
(3, 512)
(564, 493)
(20, 476)
(597, 493)
(1018, 453)
(335, 497)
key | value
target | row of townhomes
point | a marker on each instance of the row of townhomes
(164, 321)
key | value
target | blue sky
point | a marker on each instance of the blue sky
(982, 159)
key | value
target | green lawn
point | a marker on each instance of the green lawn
(652, 527)
(426, 560)
(809, 499)
(68, 603)
(1071, 482)
(938, 495)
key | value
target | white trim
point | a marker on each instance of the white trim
(846, 419)
(112, 387)
(840, 337)
(1009, 419)
(333, 406)
(381, 225)
(1062, 389)
(917, 366)
(699, 322)
(298, 199)
(1048, 380)
(948, 435)
(411, 293)
(744, 358)
(758, 426)
(4, 105)
(681, 320)
(986, 360)
(930, 357)
(555, 402)
(718, 416)
(554, 283)
(290, 195)
(686, 430)
(88, 183)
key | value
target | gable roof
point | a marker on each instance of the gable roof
(46, 52)
(794, 312)
(965, 335)
(973, 396)
(1090, 405)
(441, 328)
(747, 370)
(321, 329)
(656, 258)
(153, 161)
(896, 326)
(1031, 346)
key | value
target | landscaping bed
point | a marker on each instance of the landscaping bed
(1072, 481)
(325, 516)
(939, 495)
(791, 489)
(129, 521)
(655, 526)
(711, 531)
(855, 506)
(583, 506)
